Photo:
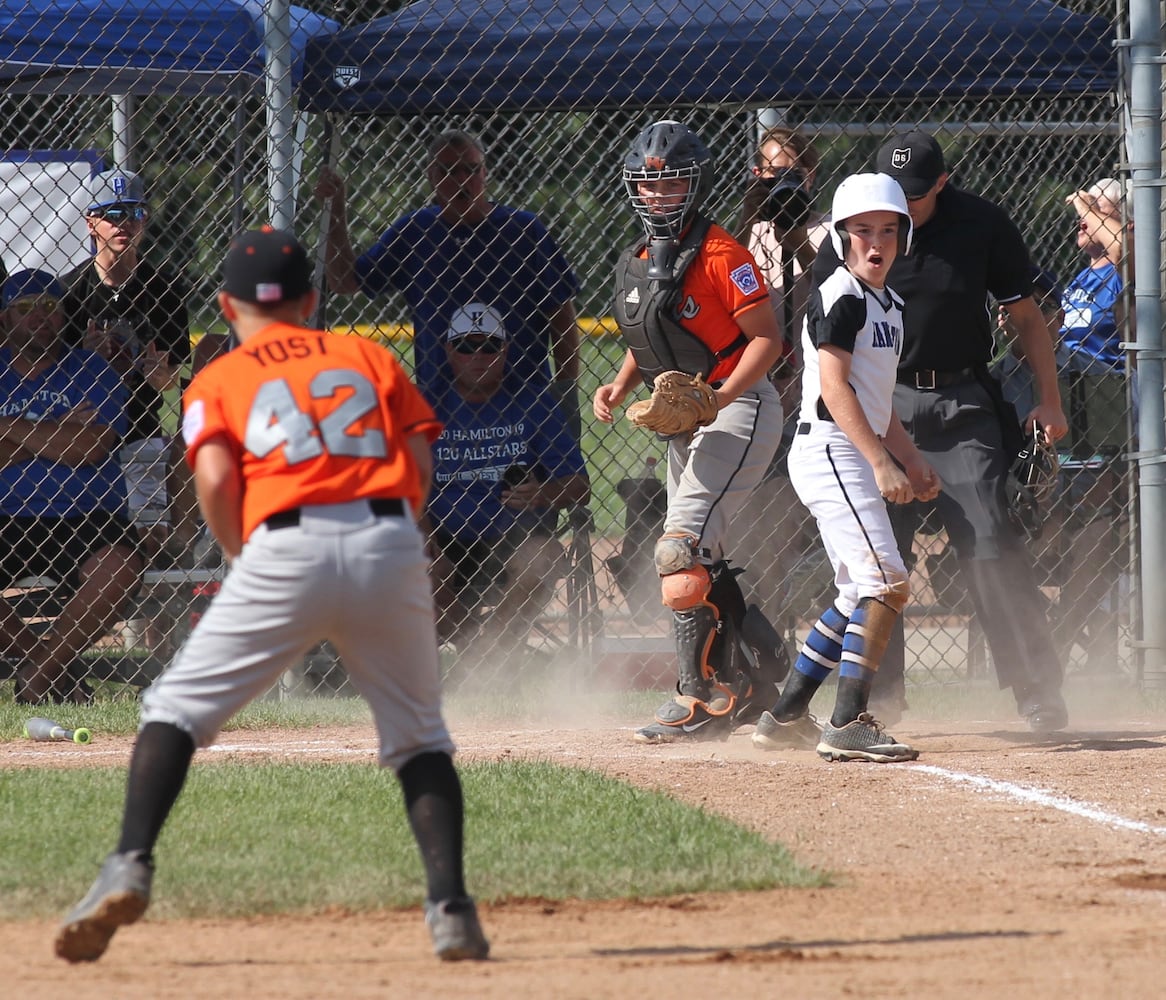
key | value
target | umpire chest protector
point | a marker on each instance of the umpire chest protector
(645, 309)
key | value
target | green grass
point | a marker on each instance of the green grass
(247, 839)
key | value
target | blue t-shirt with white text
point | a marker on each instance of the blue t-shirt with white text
(40, 487)
(518, 424)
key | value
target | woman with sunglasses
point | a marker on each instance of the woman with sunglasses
(504, 466)
(134, 316)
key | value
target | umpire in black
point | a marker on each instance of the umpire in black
(964, 249)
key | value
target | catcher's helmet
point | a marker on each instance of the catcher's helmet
(1031, 482)
(663, 151)
(860, 193)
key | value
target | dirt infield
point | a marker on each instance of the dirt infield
(999, 865)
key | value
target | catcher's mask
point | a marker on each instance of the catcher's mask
(664, 151)
(861, 193)
(1031, 482)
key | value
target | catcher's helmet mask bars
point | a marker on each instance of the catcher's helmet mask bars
(667, 150)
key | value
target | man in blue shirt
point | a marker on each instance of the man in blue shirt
(464, 248)
(62, 496)
(503, 466)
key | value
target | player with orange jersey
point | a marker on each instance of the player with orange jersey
(689, 298)
(311, 458)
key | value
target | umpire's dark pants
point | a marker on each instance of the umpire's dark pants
(958, 430)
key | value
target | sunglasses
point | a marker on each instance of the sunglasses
(118, 214)
(22, 307)
(459, 169)
(487, 345)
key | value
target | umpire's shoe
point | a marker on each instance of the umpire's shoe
(802, 733)
(456, 932)
(687, 718)
(1044, 710)
(119, 896)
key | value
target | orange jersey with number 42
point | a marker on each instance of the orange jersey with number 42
(312, 417)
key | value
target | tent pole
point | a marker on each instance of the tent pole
(280, 130)
(1145, 148)
(123, 131)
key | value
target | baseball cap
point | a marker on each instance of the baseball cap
(115, 187)
(476, 319)
(266, 266)
(914, 159)
(31, 284)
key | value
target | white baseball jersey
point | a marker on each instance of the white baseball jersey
(830, 475)
(867, 323)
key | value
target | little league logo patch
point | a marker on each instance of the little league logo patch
(345, 76)
(900, 158)
(745, 278)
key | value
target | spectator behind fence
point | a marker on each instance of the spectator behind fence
(1095, 324)
(783, 232)
(779, 225)
(459, 249)
(504, 461)
(62, 499)
(965, 248)
(135, 317)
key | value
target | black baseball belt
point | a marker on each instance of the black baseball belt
(930, 378)
(380, 507)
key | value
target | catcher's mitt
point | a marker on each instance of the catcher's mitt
(680, 403)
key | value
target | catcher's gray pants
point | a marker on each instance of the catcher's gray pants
(712, 472)
(345, 575)
(958, 431)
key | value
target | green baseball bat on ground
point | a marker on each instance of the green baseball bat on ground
(46, 730)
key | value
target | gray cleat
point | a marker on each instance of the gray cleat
(863, 739)
(456, 932)
(119, 896)
(802, 733)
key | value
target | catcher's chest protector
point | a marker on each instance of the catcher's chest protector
(645, 311)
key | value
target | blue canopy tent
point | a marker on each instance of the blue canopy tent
(441, 56)
(192, 47)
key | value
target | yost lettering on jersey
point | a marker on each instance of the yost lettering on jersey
(690, 309)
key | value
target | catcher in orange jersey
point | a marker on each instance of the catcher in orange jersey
(693, 309)
(311, 458)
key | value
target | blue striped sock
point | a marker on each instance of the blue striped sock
(823, 646)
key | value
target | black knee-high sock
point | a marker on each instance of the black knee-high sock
(158, 769)
(851, 699)
(433, 800)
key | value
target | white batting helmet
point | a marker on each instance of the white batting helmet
(860, 193)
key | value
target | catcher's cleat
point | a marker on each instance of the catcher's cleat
(457, 934)
(687, 718)
(863, 739)
(802, 733)
(119, 896)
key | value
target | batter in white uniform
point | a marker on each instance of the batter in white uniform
(849, 458)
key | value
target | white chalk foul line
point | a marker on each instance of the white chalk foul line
(1040, 797)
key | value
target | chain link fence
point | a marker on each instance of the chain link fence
(205, 157)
